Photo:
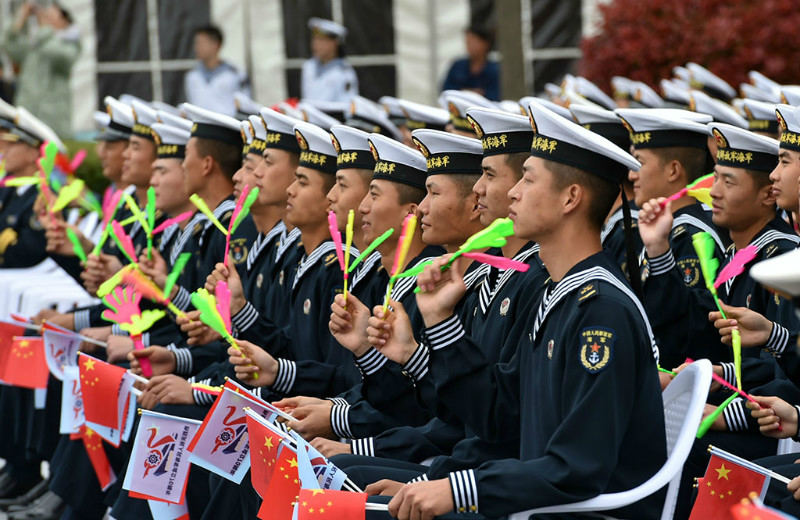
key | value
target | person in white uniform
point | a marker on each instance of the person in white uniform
(327, 76)
(213, 82)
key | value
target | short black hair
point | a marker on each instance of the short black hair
(484, 33)
(464, 182)
(227, 156)
(515, 162)
(603, 193)
(408, 194)
(693, 160)
(212, 31)
(66, 14)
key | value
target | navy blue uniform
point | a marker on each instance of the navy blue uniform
(681, 332)
(581, 393)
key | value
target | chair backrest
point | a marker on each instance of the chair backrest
(684, 401)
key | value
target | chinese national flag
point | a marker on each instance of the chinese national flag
(724, 485)
(25, 364)
(7, 334)
(283, 488)
(100, 385)
(750, 511)
(97, 455)
(264, 448)
(330, 503)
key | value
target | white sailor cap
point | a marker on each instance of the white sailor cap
(393, 109)
(457, 102)
(448, 153)
(781, 273)
(160, 106)
(553, 90)
(336, 109)
(682, 73)
(789, 124)
(643, 94)
(753, 92)
(719, 110)
(33, 131)
(248, 138)
(423, 116)
(352, 148)
(553, 107)
(316, 150)
(709, 82)
(603, 122)
(104, 132)
(280, 130)
(762, 82)
(170, 140)
(208, 124)
(663, 128)
(675, 92)
(290, 110)
(500, 132)
(397, 162)
(508, 105)
(245, 105)
(592, 92)
(371, 117)
(128, 99)
(790, 94)
(761, 116)
(740, 148)
(258, 126)
(169, 118)
(327, 28)
(144, 116)
(316, 116)
(622, 86)
(122, 119)
(7, 114)
(254, 135)
(566, 142)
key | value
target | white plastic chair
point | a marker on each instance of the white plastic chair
(684, 400)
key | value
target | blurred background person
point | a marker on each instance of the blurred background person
(476, 72)
(45, 54)
(213, 82)
(327, 76)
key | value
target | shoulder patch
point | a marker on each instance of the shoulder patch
(239, 250)
(597, 348)
(770, 250)
(690, 270)
(227, 215)
(331, 258)
(587, 292)
(678, 230)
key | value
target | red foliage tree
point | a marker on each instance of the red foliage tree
(644, 40)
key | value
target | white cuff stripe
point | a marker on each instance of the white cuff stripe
(80, 320)
(287, 371)
(245, 318)
(421, 478)
(371, 362)
(339, 421)
(338, 400)
(729, 372)
(182, 299)
(365, 447)
(735, 416)
(445, 333)
(662, 264)
(778, 338)
(417, 364)
(465, 492)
